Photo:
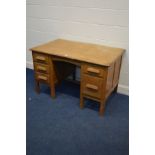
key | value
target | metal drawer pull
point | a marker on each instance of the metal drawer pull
(93, 70)
(40, 58)
(42, 77)
(90, 86)
(41, 68)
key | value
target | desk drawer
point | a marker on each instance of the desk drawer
(42, 77)
(42, 58)
(92, 86)
(41, 68)
(93, 70)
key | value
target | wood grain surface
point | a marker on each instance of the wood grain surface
(96, 54)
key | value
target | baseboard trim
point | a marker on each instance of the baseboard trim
(122, 89)
(29, 65)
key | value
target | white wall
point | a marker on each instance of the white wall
(96, 21)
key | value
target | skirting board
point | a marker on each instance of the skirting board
(122, 89)
(29, 65)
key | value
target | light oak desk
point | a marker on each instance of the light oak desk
(100, 68)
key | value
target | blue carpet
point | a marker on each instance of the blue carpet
(59, 127)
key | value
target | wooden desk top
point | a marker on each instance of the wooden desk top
(92, 53)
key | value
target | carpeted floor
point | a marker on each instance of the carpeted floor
(59, 127)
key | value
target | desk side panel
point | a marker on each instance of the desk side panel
(109, 83)
(117, 67)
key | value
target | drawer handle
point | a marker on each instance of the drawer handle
(41, 68)
(42, 77)
(40, 58)
(90, 86)
(93, 70)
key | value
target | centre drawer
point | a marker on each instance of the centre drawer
(92, 86)
(41, 68)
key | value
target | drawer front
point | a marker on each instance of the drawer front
(42, 77)
(93, 70)
(42, 58)
(41, 68)
(92, 86)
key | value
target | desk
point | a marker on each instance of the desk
(100, 68)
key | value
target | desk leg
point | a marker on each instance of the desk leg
(52, 90)
(102, 108)
(115, 89)
(37, 88)
(81, 96)
(52, 81)
(81, 101)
